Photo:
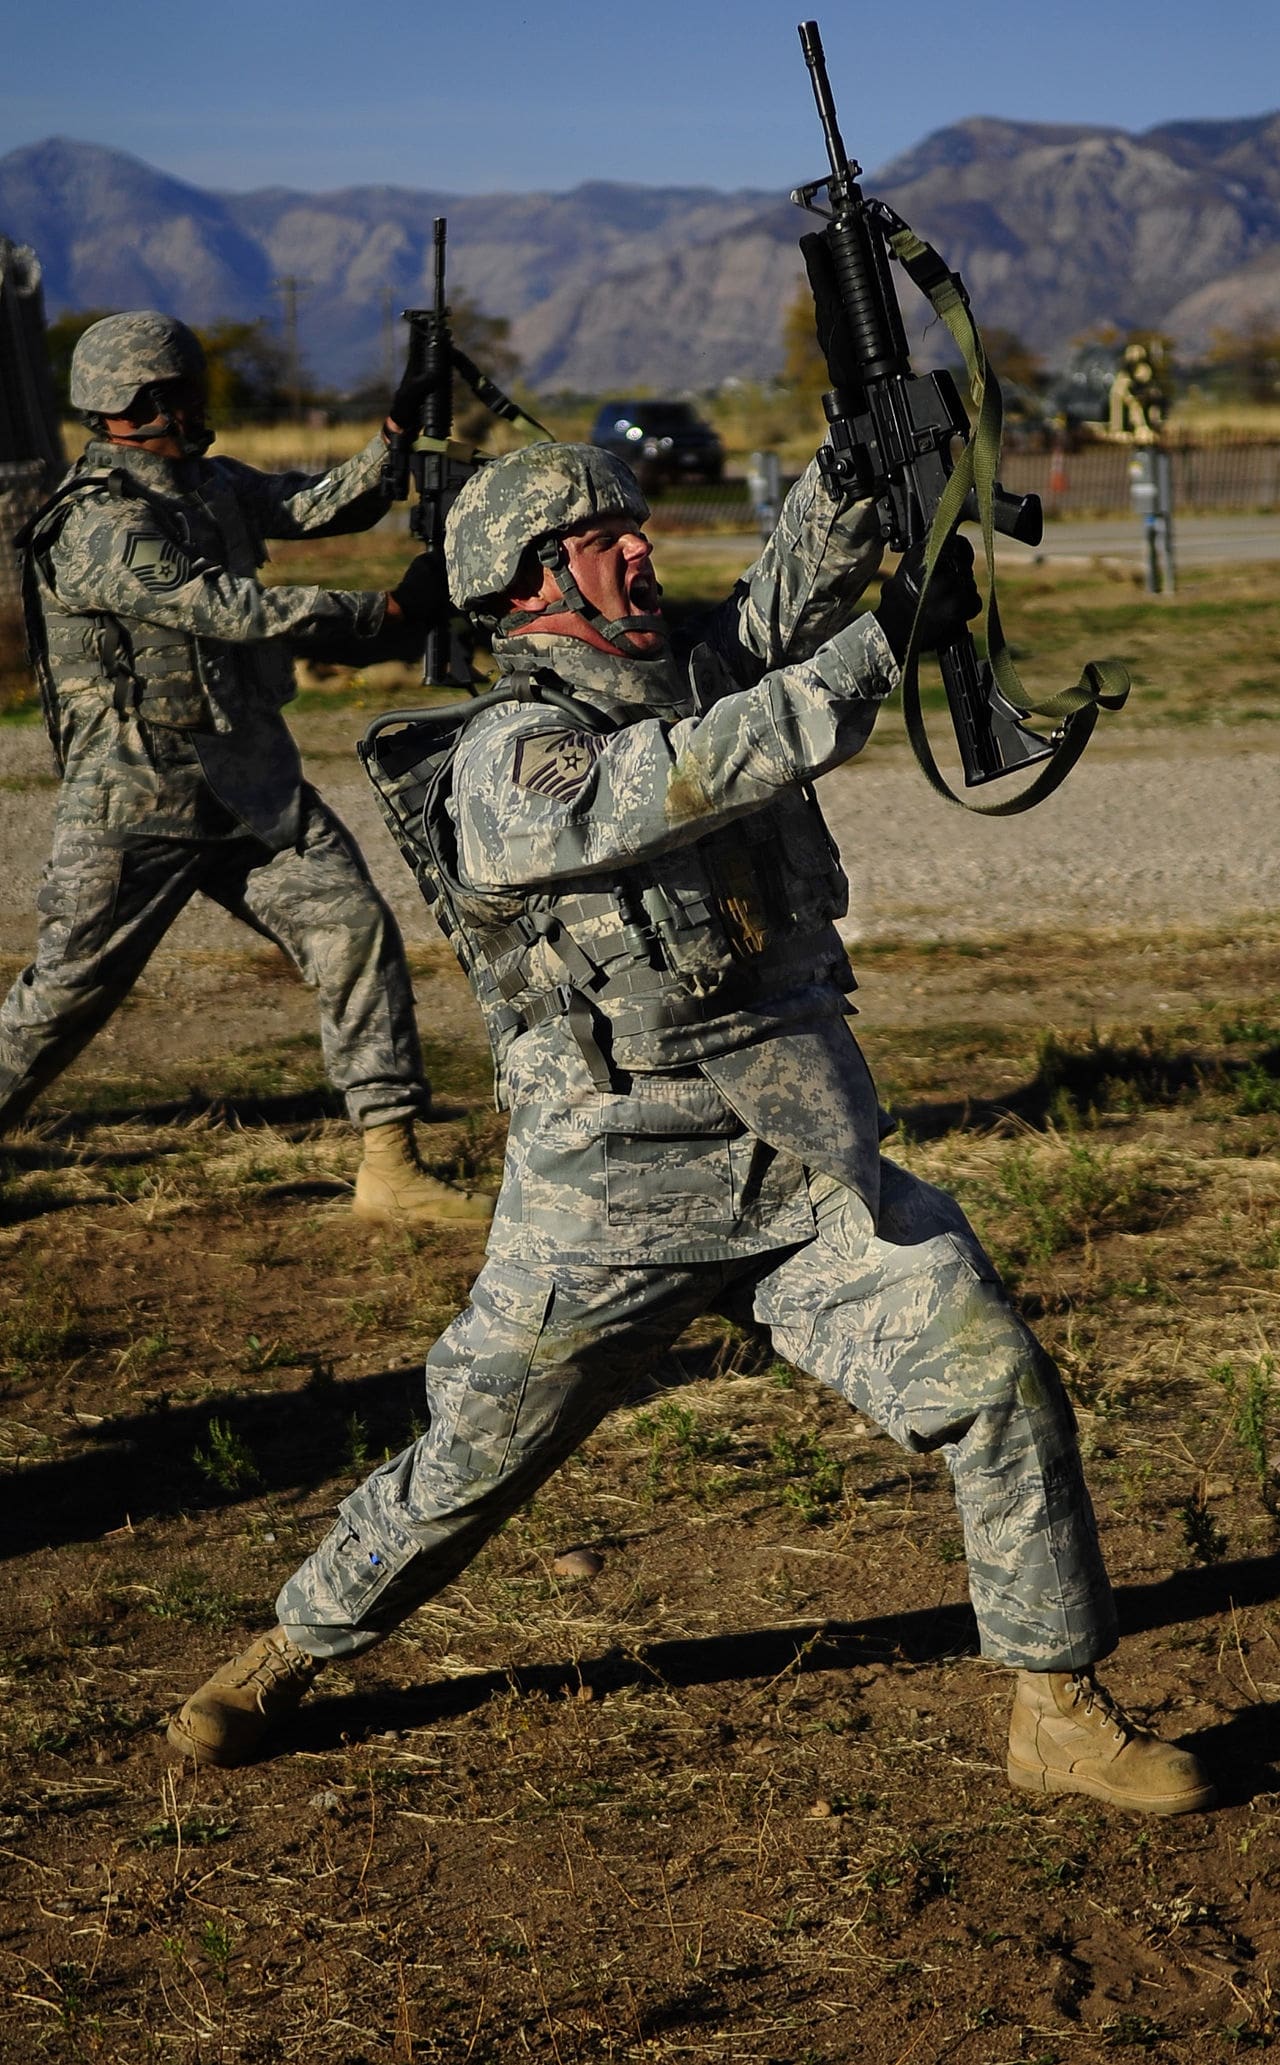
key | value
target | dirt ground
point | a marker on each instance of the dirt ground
(740, 1795)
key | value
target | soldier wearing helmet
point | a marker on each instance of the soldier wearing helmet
(165, 665)
(647, 900)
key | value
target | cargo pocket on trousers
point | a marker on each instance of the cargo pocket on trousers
(680, 1186)
(357, 1565)
(77, 901)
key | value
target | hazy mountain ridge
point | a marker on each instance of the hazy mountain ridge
(1055, 227)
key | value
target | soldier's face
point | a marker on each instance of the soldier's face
(612, 563)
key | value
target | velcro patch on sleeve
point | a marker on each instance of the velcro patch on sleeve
(556, 763)
(160, 565)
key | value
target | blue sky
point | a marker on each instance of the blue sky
(500, 95)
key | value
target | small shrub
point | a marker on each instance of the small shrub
(1062, 1202)
(1204, 1537)
(814, 1477)
(227, 1463)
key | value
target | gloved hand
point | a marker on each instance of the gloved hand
(953, 598)
(422, 595)
(409, 402)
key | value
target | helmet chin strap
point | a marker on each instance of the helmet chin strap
(616, 631)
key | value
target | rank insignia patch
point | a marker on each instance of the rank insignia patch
(160, 566)
(556, 763)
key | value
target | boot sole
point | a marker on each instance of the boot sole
(1034, 1778)
(381, 1215)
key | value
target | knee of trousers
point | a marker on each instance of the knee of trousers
(978, 1381)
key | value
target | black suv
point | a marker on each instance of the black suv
(661, 441)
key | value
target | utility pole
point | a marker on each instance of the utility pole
(290, 288)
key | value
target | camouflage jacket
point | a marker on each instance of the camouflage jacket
(169, 660)
(674, 889)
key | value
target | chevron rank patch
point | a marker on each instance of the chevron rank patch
(159, 565)
(556, 763)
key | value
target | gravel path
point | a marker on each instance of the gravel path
(1159, 831)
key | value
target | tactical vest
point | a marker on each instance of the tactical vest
(668, 963)
(164, 675)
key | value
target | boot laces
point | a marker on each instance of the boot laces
(1096, 1698)
(277, 1667)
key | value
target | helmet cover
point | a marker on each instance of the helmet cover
(510, 503)
(122, 354)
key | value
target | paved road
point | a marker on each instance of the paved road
(1198, 541)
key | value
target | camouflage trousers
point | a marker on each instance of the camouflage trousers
(907, 1320)
(104, 908)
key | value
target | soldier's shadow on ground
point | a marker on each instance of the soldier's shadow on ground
(141, 1466)
(1240, 1752)
(1088, 1079)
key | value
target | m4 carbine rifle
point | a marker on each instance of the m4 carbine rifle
(904, 440)
(437, 463)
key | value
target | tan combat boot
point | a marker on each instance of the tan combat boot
(1067, 1735)
(224, 1721)
(391, 1183)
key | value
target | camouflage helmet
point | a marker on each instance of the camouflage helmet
(535, 493)
(124, 353)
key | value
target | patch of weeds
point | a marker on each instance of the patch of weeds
(1206, 1539)
(192, 1831)
(357, 1442)
(227, 1463)
(814, 1477)
(1061, 1202)
(1251, 1401)
(678, 1440)
(190, 1595)
(74, 1985)
(269, 1355)
(218, 1944)
(1132, 2031)
(42, 1322)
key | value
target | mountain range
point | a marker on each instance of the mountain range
(1056, 229)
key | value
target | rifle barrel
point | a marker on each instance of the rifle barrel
(842, 166)
(437, 251)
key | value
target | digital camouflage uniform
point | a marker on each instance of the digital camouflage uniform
(692, 1123)
(169, 664)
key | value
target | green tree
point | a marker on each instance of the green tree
(804, 369)
(1245, 363)
(247, 370)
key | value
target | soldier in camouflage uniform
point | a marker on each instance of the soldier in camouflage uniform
(647, 895)
(165, 664)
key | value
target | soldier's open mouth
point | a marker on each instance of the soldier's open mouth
(644, 595)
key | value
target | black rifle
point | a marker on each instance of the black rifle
(892, 433)
(436, 463)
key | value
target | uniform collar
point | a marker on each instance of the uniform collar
(162, 476)
(658, 685)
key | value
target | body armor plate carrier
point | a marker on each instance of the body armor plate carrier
(638, 965)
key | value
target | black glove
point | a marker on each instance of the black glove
(422, 595)
(409, 402)
(953, 598)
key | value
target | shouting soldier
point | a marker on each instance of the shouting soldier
(647, 896)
